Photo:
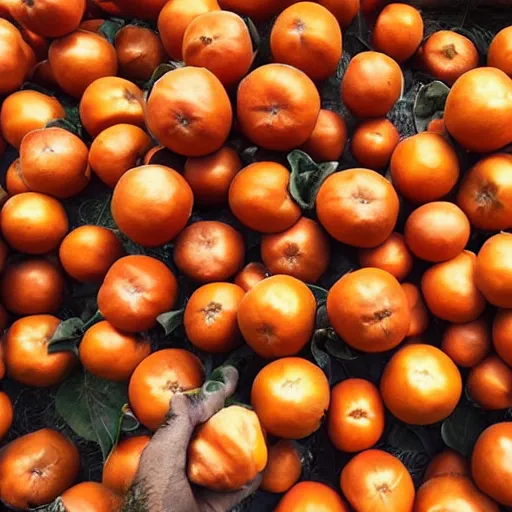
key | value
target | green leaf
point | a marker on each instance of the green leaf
(67, 336)
(307, 177)
(171, 320)
(66, 124)
(159, 72)
(429, 104)
(254, 33)
(319, 293)
(129, 422)
(93, 408)
(110, 28)
(55, 506)
(337, 348)
(320, 356)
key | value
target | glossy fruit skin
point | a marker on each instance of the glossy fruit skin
(311, 497)
(14, 183)
(235, 440)
(498, 54)
(36, 468)
(493, 273)
(424, 167)
(256, 198)
(135, 291)
(369, 310)
(460, 300)
(24, 111)
(219, 41)
(283, 467)
(502, 335)
(250, 276)
(485, 194)
(476, 122)
(490, 462)
(356, 415)
(277, 316)
(155, 381)
(277, 107)
(344, 12)
(43, 75)
(376, 480)
(302, 251)
(419, 314)
(357, 207)
(7, 414)
(256, 9)
(189, 112)
(32, 287)
(290, 397)
(122, 464)
(467, 344)
(448, 462)
(421, 385)
(91, 497)
(372, 84)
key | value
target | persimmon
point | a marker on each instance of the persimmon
(234, 439)
(79, 59)
(392, 255)
(493, 272)
(328, 138)
(369, 310)
(437, 126)
(377, 480)
(36, 468)
(91, 497)
(450, 291)
(345, 11)
(373, 142)
(498, 54)
(502, 335)
(490, 462)
(24, 111)
(142, 9)
(306, 496)
(122, 464)
(199, 111)
(277, 316)
(277, 107)
(357, 207)
(291, 397)
(283, 468)
(421, 385)
(14, 180)
(256, 9)
(259, 198)
(6, 414)
(478, 110)
(151, 204)
(485, 194)
(356, 415)
(111, 7)
(250, 275)
(448, 462)
(37, 42)
(467, 344)
(157, 379)
(139, 52)
(302, 251)
(135, 291)
(43, 75)
(93, 25)
(219, 41)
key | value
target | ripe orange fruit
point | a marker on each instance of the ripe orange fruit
(277, 107)
(6, 414)
(373, 142)
(54, 161)
(24, 111)
(424, 167)
(32, 287)
(448, 462)
(259, 198)
(478, 110)
(485, 193)
(139, 52)
(142, 9)
(157, 379)
(259, 10)
(498, 54)
(33, 223)
(493, 272)
(250, 276)
(93, 25)
(290, 397)
(369, 310)
(371, 85)
(43, 75)
(219, 41)
(36, 468)
(135, 291)
(356, 415)
(15, 65)
(467, 344)
(14, 180)
(210, 176)
(421, 385)
(122, 464)
(210, 317)
(283, 467)
(306, 496)
(91, 496)
(79, 59)
(447, 55)
(329, 137)
(490, 462)
(302, 251)
(277, 316)
(200, 113)
(437, 126)
(392, 255)
(502, 335)
(209, 251)
(151, 204)
(344, 11)
(376, 480)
